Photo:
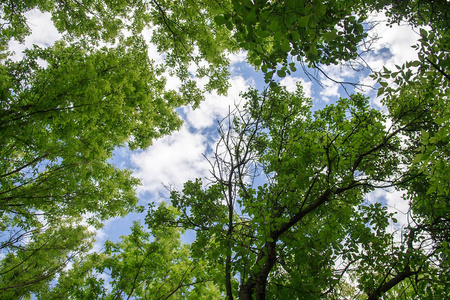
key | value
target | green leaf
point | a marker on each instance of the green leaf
(281, 73)
(303, 21)
(440, 121)
(268, 76)
(286, 46)
(423, 33)
(220, 20)
(320, 8)
(229, 25)
(278, 36)
(415, 63)
(274, 25)
(295, 35)
(313, 51)
(292, 67)
(264, 68)
(329, 36)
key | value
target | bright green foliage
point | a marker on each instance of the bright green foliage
(284, 237)
(58, 129)
(186, 33)
(295, 233)
(65, 108)
(57, 244)
(273, 32)
(139, 268)
(425, 83)
(435, 13)
(182, 31)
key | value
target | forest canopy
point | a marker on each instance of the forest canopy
(284, 213)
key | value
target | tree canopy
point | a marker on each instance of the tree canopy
(308, 226)
(67, 106)
(284, 214)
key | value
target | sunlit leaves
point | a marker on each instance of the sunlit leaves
(419, 89)
(58, 243)
(141, 266)
(66, 107)
(309, 211)
(274, 33)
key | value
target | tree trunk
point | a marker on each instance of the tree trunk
(256, 284)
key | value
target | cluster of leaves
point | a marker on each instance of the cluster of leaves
(273, 32)
(182, 32)
(139, 268)
(40, 255)
(418, 91)
(434, 13)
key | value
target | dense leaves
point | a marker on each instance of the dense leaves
(139, 268)
(418, 92)
(48, 250)
(65, 107)
(301, 230)
(286, 211)
(308, 31)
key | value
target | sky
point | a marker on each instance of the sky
(175, 159)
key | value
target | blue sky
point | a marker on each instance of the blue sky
(174, 159)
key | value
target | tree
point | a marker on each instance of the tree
(66, 107)
(305, 227)
(48, 250)
(279, 35)
(138, 268)
(433, 13)
(419, 90)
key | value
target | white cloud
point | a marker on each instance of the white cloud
(290, 83)
(392, 47)
(175, 159)
(239, 57)
(43, 33)
(216, 107)
(328, 91)
(330, 81)
(172, 82)
(397, 38)
(398, 205)
(172, 159)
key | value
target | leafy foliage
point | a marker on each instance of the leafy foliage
(285, 215)
(138, 268)
(286, 235)
(418, 92)
(40, 258)
(274, 31)
(66, 107)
